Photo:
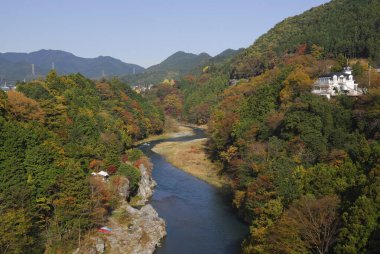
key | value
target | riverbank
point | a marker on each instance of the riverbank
(199, 217)
(190, 156)
(173, 129)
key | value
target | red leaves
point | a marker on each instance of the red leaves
(112, 169)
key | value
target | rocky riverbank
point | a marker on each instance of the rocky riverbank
(131, 230)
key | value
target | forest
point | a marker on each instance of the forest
(347, 27)
(304, 170)
(54, 133)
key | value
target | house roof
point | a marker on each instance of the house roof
(103, 173)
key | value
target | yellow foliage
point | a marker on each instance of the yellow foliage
(238, 198)
(297, 82)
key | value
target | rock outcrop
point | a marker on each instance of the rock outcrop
(146, 185)
(133, 231)
(141, 236)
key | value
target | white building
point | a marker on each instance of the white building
(7, 88)
(337, 83)
(102, 173)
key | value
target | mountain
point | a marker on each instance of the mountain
(180, 62)
(348, 27)
(18, 66)
(226, 55)
(173, 67)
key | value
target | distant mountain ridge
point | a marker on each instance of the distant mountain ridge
(18, 66)
(180, 62)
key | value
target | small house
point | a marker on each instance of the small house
(102, 173)
(336, 84)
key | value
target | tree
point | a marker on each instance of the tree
(317, 221)
(15, 231)
(133, 174)
(317, 51)
(24, 109)
(172, 105)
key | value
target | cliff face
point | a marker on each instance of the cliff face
(146, 185)
(135, 231)
(142, 234)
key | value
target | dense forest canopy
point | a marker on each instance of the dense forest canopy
(54, 132)
(348, 27)
(304, 169)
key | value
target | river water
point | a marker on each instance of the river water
(199, 217)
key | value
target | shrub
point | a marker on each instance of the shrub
(111, 169)
(134, 154)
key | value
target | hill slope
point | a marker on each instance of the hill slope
(349, 27)
(180, 62)
(18, 66)
(173, 67)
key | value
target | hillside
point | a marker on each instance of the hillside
(304, 170)
(348, 27)
(225, 55)
(18, 66)
(54, 133)
(180, 62)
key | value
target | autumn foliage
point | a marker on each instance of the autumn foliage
(23, 108)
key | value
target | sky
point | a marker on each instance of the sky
(143, 32)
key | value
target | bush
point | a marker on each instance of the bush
(134, 154)
(112, 169)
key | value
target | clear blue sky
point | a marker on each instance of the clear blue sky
(144, 32)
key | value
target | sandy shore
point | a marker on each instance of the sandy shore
(190, 156)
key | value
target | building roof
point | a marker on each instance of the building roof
(103, 173)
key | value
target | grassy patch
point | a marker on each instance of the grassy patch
(122, 217)
(190, 156)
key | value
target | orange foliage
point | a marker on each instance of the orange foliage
(96, 165)
(145, 161)
(100, 197)
(105, 91)
(301, 49)
(23, 108)
(190, 78)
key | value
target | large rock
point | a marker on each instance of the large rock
(138, 232)
(146, 185)
(141, 236)
(123, 188)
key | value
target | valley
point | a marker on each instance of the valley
(269, 149)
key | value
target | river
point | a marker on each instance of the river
(199, 217)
